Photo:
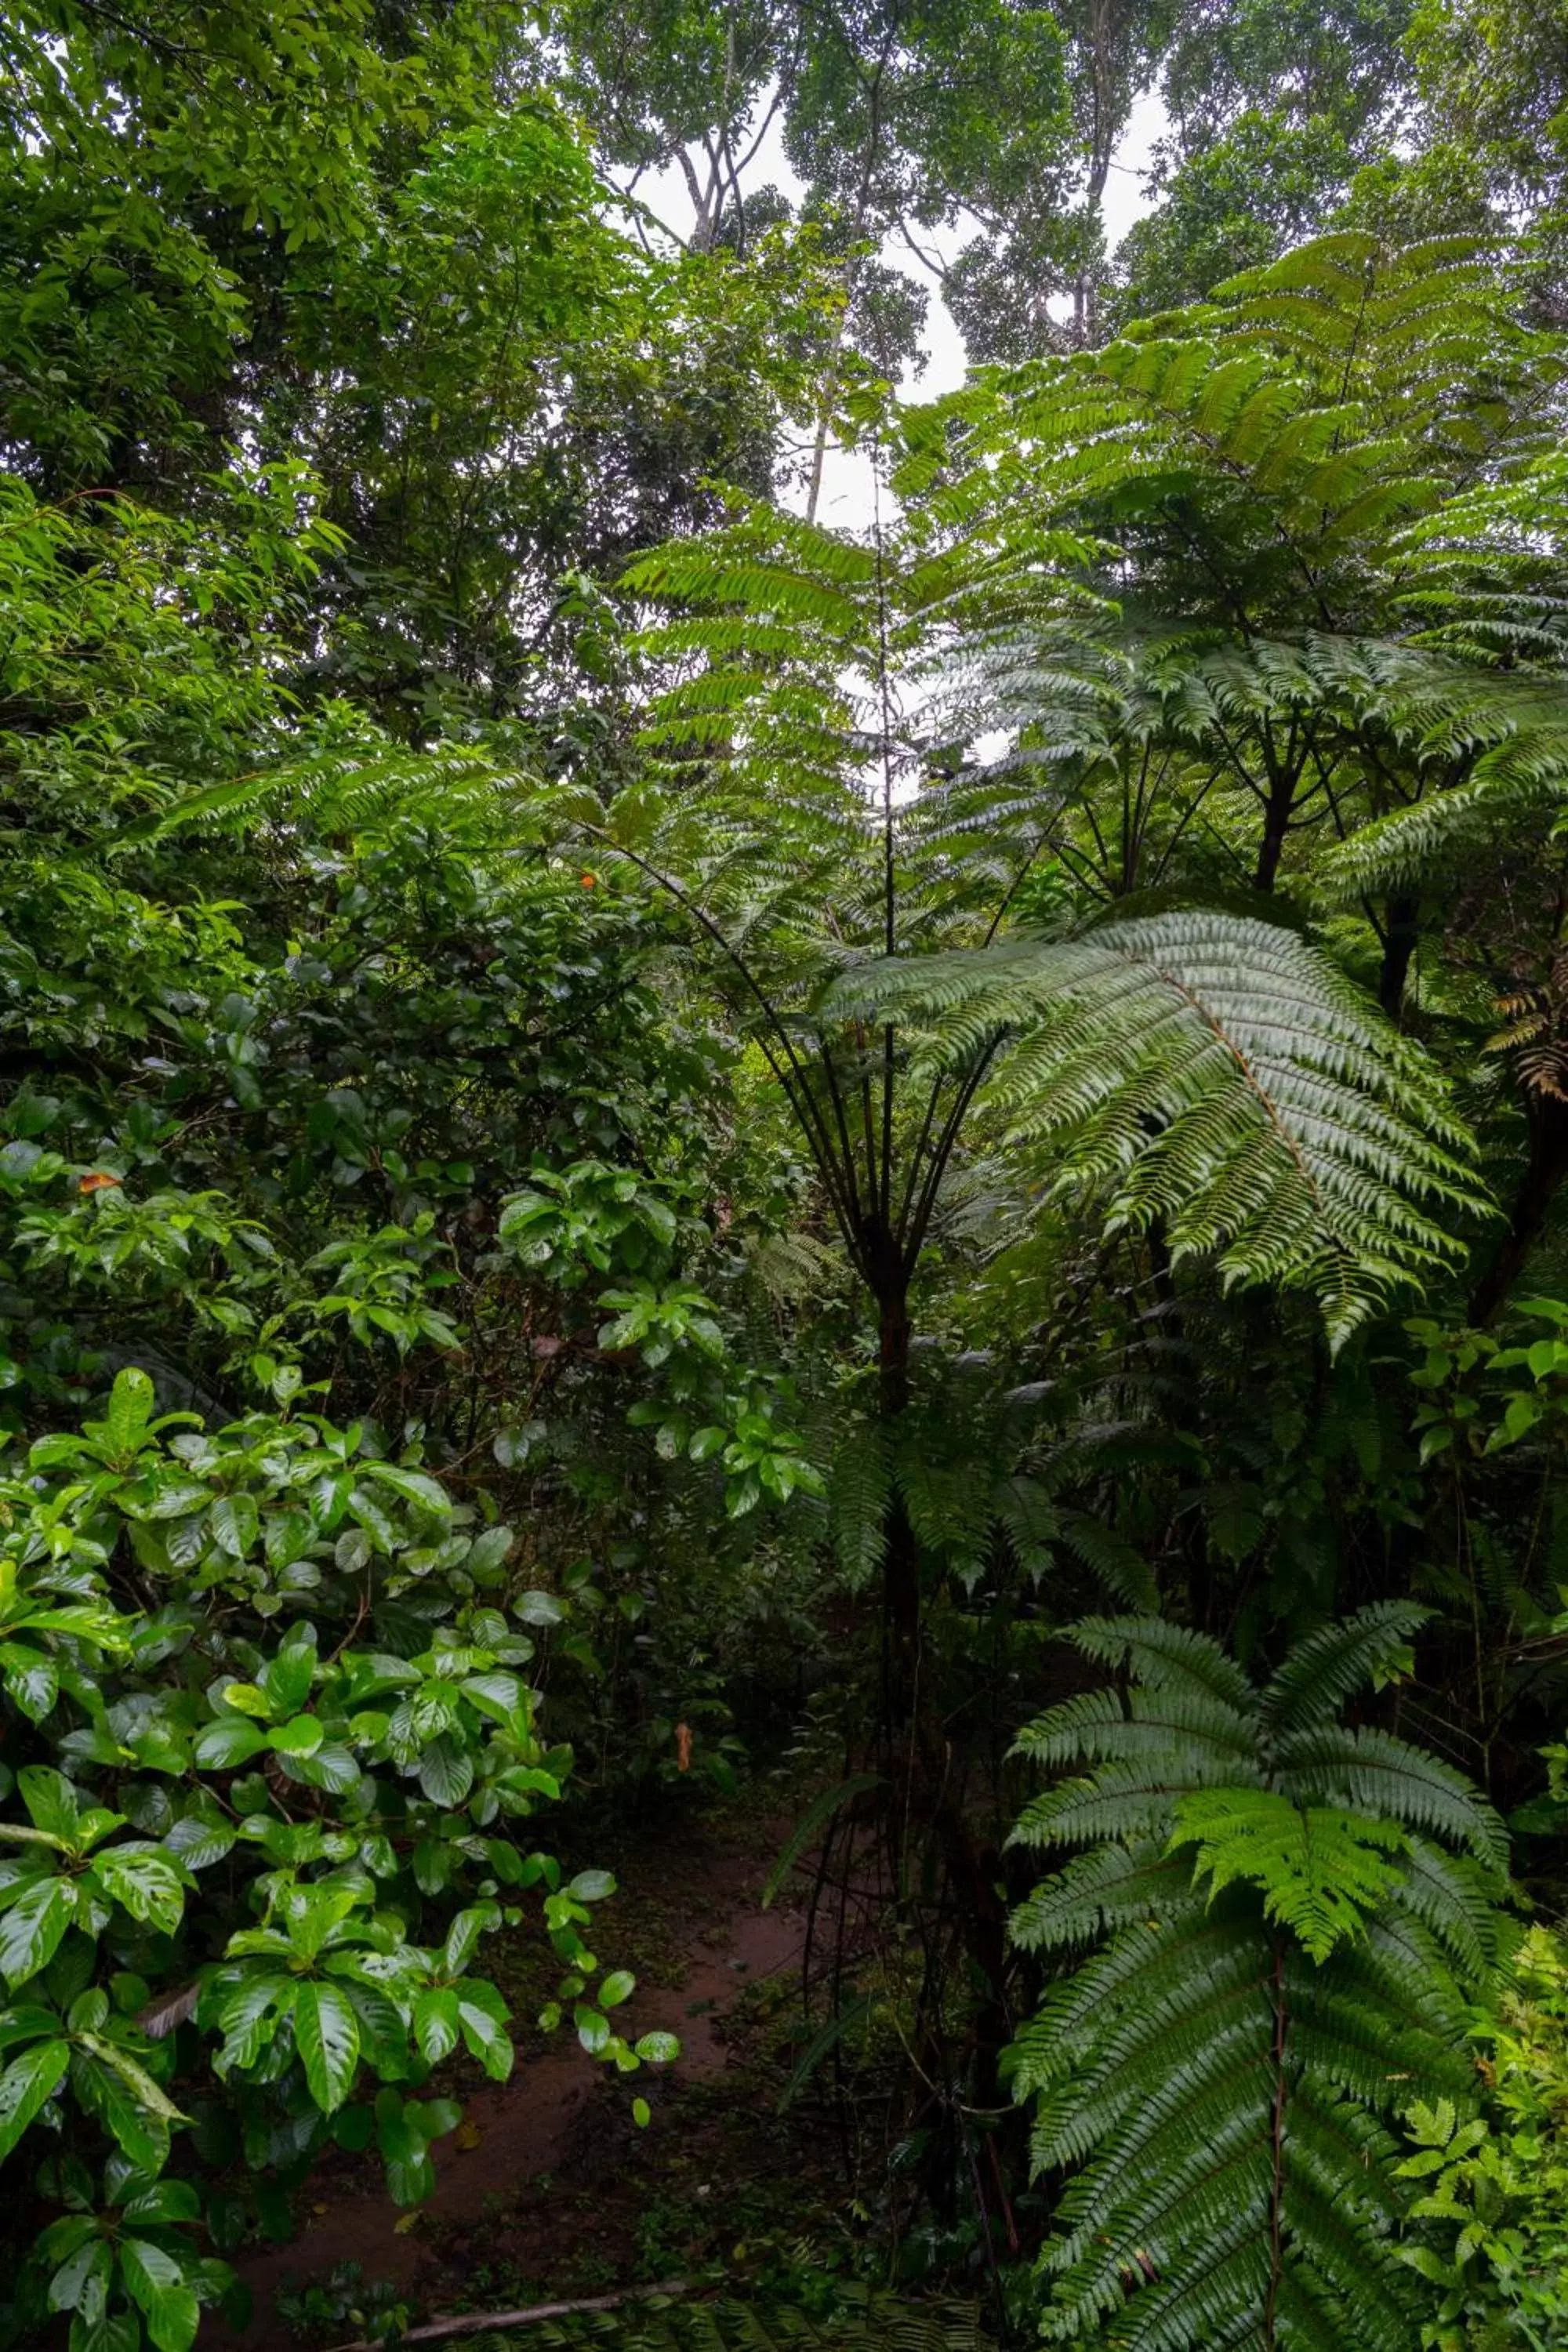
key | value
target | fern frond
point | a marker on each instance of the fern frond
(859, 1491)
(1219, 2078)
(1216, 1073)
(1329, 1665)
(1162, 1656)
(1111, 1887)
(1378, 1773)
(1318, 1869)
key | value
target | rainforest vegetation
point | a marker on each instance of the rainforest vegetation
(886, 1174)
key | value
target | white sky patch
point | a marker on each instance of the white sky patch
(847, 497)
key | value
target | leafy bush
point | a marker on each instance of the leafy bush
(1494, 2187)
(272, 1686)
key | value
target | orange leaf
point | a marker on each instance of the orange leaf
(100, 1180)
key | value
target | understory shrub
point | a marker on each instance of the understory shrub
(272, 1765)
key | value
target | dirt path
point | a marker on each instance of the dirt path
(529, 2193)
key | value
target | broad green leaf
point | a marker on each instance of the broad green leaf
(592, 2029)
(25, 2086)
(328, 1766)
(248, 1698)
(141, 2132)
(300, 1737)
(436, 2027)
(327, 2032)
(149, 2095)
(463, 1935)
(229, 1741)
(31, 1931)
(81, 2282)
(131, 1403)
(145, 1883)
(286, 1679)
(50, 1799)
(199, 1843)
(235, 1524)
(249, 2018)
(482, 2014)
(446, 1773)
(157, 2283)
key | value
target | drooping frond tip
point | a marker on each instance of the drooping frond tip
(1215, 1074)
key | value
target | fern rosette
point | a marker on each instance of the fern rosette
(1271, 1927)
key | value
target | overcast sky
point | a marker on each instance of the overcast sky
(846, 483)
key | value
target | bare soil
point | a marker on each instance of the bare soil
(548, 2188)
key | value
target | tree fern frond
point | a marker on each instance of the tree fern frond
(1214, 1072)
(1171, 1724)
(1162, 1656)
(1318, 1869)
(1119, 1565)
(1372, 1769)
(1329, 1665)
(1099, 1892)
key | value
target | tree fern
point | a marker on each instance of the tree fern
(1213, 1072)
(1271, 1925)
(1318, 415)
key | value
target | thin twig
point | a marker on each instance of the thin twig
(470, 2322)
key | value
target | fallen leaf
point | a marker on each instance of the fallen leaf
(469, 2136)
(407, 2221)
(98, 1180)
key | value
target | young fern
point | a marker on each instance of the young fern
(1271, 1925)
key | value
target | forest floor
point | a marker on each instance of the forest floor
(548, 2189)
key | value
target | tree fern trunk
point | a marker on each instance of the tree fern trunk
(1278, 812)
(901, 1556)
(1401, 932)
(972, 1870)
(1544, 1171)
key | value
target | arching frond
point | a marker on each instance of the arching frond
(1213, 1072)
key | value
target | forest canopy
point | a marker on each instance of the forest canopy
(871, 1184)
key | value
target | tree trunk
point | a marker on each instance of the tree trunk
(1401, 935)
(901, 1556)
(1277, 814)
(1544, 1171)
(972, 1870)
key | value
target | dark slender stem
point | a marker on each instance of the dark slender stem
(795, 1082)
(889, 866)
(931, 1101)
(943, 1150)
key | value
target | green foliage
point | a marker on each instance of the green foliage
(1318, 1869)
(356, 1794)
(516, 949)
(849, 2317)
(1214, 1073)
(1491, 2186)
(1221, 2069)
